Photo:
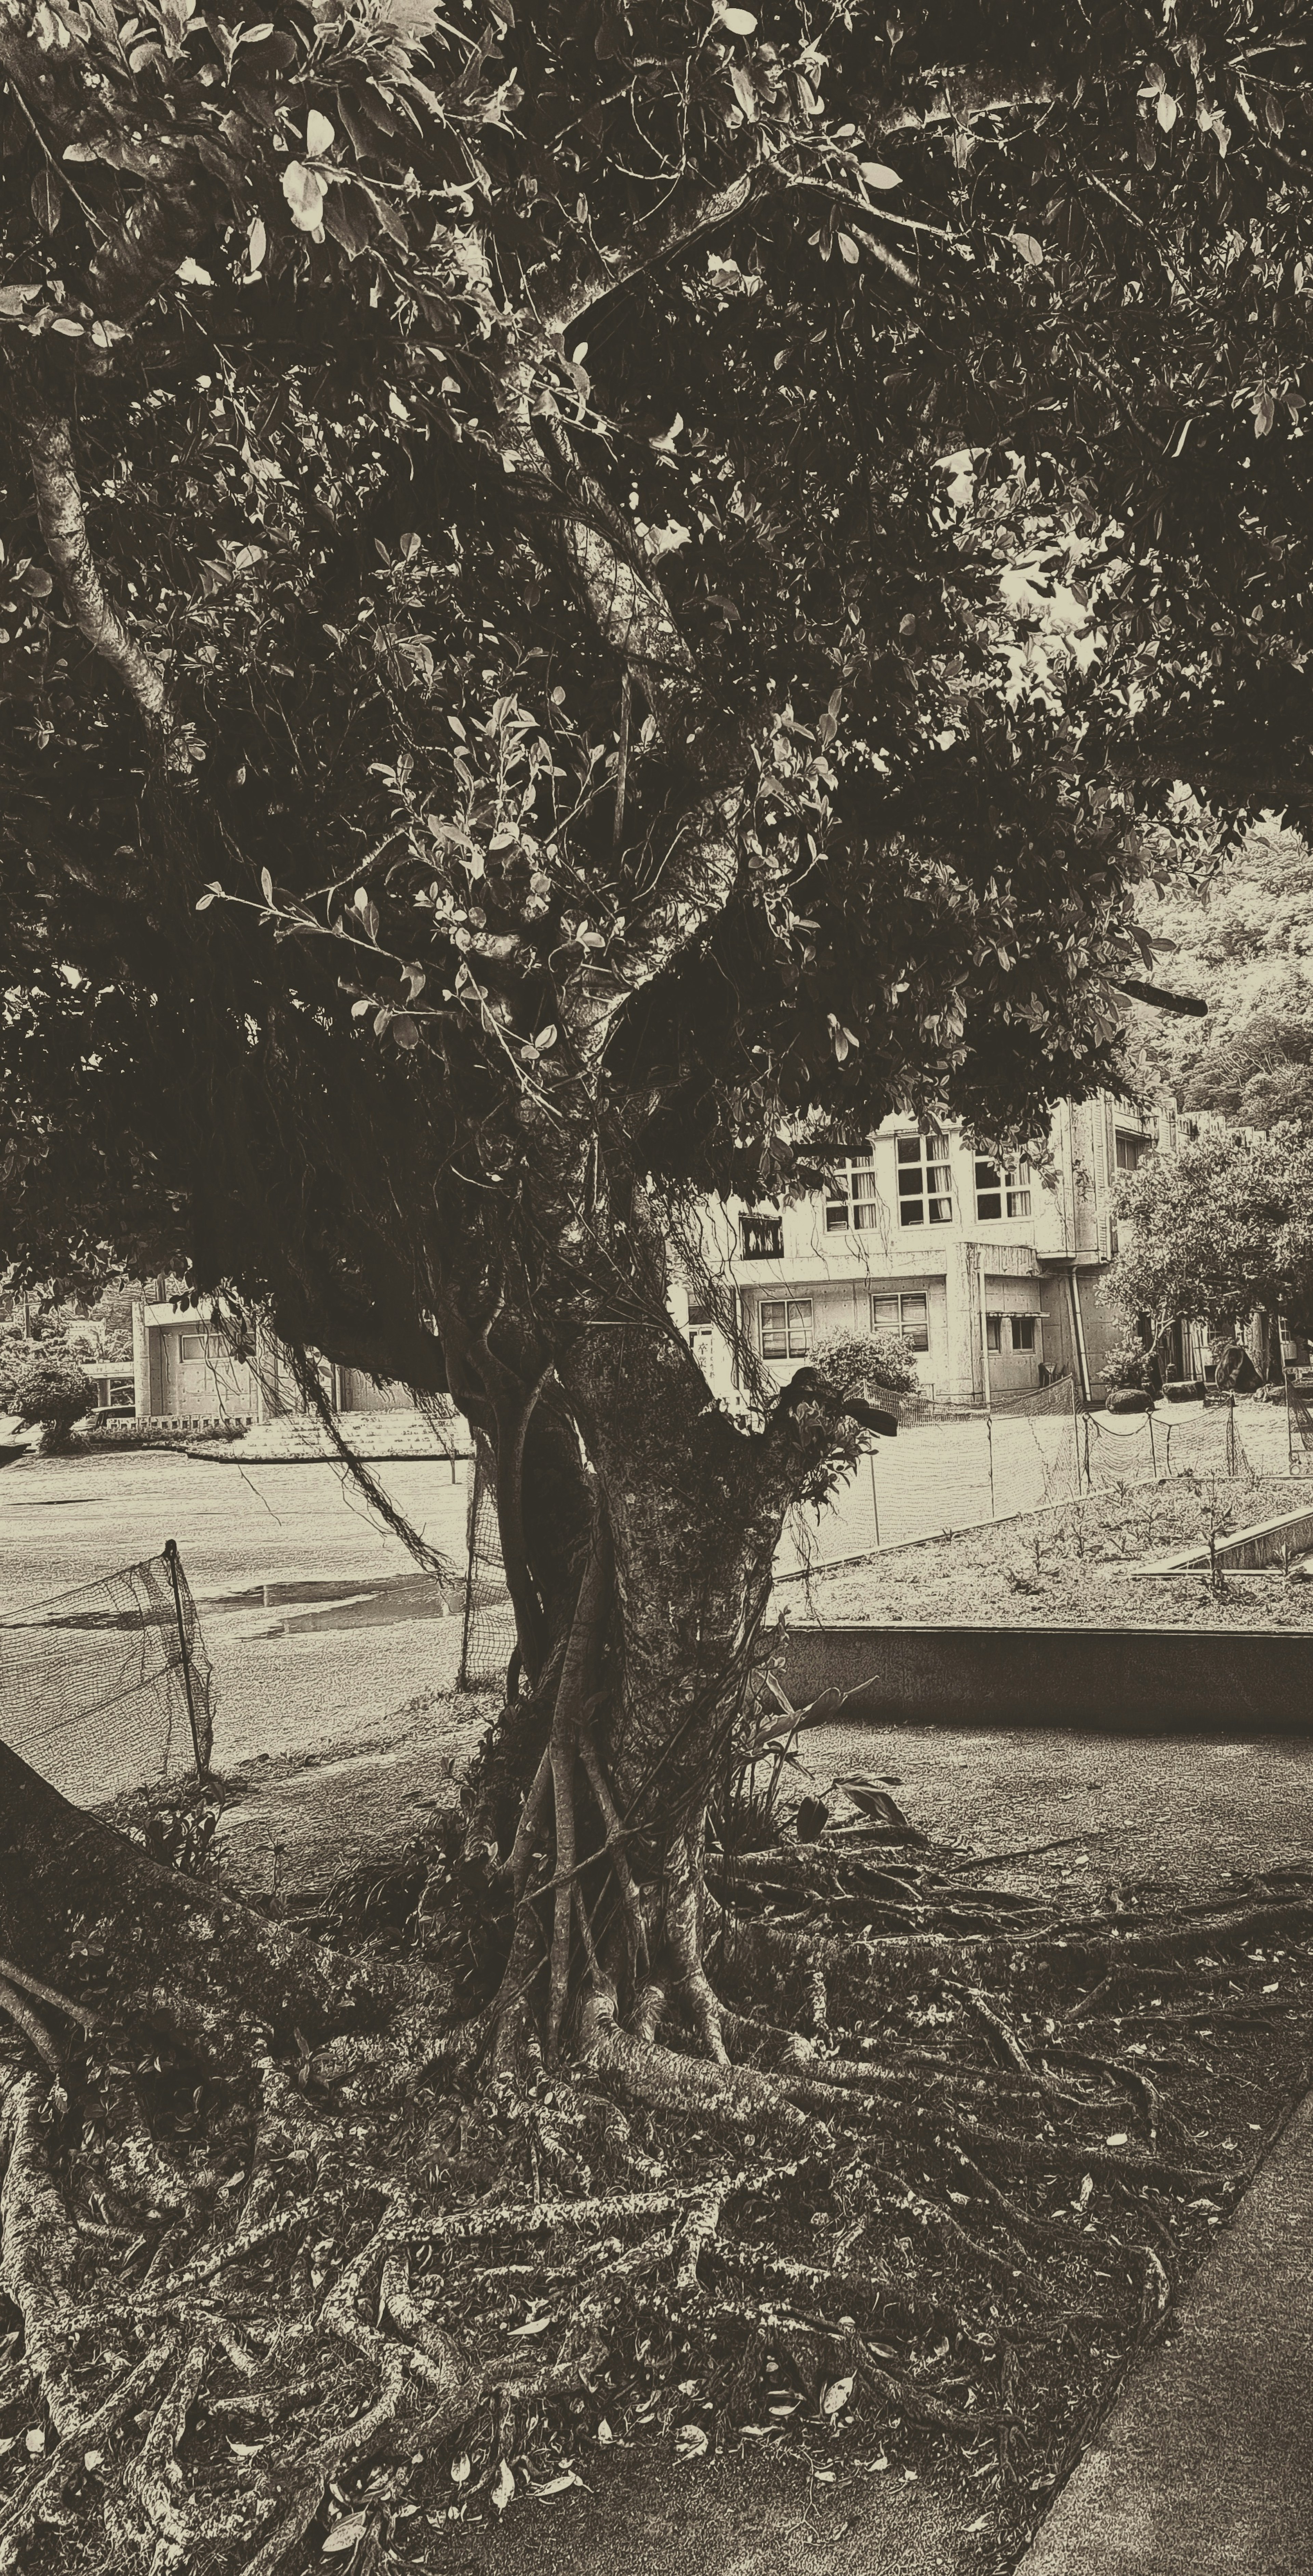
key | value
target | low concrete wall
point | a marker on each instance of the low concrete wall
(1271, 1542)
(1115, 1680)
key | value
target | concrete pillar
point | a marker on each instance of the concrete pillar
(140, 1360)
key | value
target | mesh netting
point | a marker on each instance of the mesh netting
(945, 1474)
(109, 1688)
(487, 1640)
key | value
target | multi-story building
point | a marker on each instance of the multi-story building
(993, 1272)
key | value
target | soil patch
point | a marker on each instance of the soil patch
(1075, 1567)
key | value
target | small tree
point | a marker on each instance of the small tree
(54, 1391)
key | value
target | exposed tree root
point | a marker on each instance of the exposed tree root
(396, 2236)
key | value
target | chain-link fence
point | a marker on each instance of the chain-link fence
(487, 1638)
(109, 1688)
(944, 1475)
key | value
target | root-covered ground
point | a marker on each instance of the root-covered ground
(909, 2184)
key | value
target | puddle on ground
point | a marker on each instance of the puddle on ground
(310, 1607)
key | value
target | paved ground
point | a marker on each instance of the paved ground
(1160, 1811)
(287, 1672)
(1205, 2466)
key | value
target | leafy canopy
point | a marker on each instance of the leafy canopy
(1224, 1228)
(1240, 924)
(653, 558)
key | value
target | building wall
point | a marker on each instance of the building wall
(824, 1259)
(181, 1371)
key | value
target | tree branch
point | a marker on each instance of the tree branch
(64, 529)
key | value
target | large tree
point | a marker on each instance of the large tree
(596, 599)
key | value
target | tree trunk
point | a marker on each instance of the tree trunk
(86, 1910)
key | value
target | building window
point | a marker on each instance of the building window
(909, 1316)
(993, 1332)
(1002, 1189)
(851, 1202)
(196, 1346)
(786, 1328)
(1023, 1332)
(1132, 1151)
(761, 1238)
(925, 1183)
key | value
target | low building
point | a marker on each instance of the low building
(993, 1272)
(185, 1375)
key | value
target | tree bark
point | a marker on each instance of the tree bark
(86, 1909)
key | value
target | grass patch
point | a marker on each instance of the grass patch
(1074, 1567)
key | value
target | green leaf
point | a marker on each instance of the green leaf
(877, 174)
(1032, 251)
(47, 199)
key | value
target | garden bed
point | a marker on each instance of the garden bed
(1077, 1566)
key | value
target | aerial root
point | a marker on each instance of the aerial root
(697, 2231)
(41, 2495)
(1025, 2223)
(1131, 2078)
(1146, 1947)
(41, 1993)
(648, 2073)
(900, 2390)
(941, 2222)
(398, 2301)
(325, 2461)
(615, 1848)
(24, 2016)
(38, 2250)
(147, 2482)
(1056, 2155)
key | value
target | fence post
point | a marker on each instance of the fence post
(171, 1556)
(1075, 1431)
(989, 1434)
(875, 1508)
(1285, 1389)
(1153, 1453)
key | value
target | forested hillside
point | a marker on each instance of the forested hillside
(1242, 926)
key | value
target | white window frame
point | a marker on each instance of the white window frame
(1025, 1349)
(902, 1299)
(1143, 1147)
(1008, 1184)
(852, 1201)
(994, 1333)
(925, 1154)
(796, 1313)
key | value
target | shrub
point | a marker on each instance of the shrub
(54, 1391)
(855, 1361)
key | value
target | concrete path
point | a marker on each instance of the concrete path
(1205, 2466)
